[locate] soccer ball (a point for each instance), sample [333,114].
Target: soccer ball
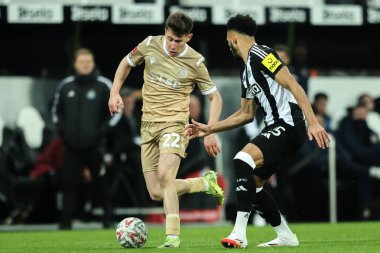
[131,233]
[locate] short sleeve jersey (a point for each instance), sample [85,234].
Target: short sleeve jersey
[168,81]
[258,83]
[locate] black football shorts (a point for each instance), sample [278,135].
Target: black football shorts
[277,142]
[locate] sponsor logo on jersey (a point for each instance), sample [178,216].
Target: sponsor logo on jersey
[164,81]
[271,62]
[254,89]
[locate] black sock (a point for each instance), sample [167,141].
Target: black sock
[267,208]
[245,186]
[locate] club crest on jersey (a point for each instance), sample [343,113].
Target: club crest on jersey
[152,59]
[182,72]
[254,89]
[271,62]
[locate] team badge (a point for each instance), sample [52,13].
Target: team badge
[182,72]
[71,94]
[91,94]
[271,62]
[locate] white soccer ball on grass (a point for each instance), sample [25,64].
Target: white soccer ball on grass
[131,232]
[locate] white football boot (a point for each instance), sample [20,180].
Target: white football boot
[234,240]
[291,240]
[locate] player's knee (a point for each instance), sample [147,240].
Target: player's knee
[155,195]
[163,179]
[244,163]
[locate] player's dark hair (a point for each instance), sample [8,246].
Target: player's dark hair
[243,24]
[180,23]
[320,95]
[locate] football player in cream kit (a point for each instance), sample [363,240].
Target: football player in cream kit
[172,69]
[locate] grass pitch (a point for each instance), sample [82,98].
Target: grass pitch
[340,238]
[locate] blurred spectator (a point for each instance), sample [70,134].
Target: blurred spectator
[50,160]
[355,135]
[124,154]
[373,117]
[320,108]
[299,70]
[299,65]
[282,51]
[80,110]
[358,152]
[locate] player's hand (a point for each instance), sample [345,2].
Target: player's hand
[317,132]
[115,103]
[196,130]
[211,145]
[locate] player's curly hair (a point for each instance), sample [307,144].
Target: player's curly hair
[242,24]
[180,23]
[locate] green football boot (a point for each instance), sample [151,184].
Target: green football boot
[214,189]
[170,242]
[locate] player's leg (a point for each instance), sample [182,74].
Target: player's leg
[267,208]
[150,153]
[172,141]
[207,184]
[282,145]
[245,162]
[167,171]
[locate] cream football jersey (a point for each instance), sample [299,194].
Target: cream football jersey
[168,81]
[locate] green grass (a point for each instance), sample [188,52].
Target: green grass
[344,237]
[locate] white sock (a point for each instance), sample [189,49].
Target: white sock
[241,223]
[283,230]
[172,236]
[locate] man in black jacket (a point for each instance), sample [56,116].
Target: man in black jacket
[81,114]
[358,159]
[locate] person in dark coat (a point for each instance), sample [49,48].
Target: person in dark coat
[80,111]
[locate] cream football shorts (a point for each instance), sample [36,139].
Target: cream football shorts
[161,138]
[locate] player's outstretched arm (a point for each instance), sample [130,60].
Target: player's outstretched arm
[315,130]
[210,142]
[239,118]
[115,103]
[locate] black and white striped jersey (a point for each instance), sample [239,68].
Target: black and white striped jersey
[258,83]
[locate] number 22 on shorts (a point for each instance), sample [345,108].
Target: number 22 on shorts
[171,140]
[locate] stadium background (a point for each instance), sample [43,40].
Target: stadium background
[38,38]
